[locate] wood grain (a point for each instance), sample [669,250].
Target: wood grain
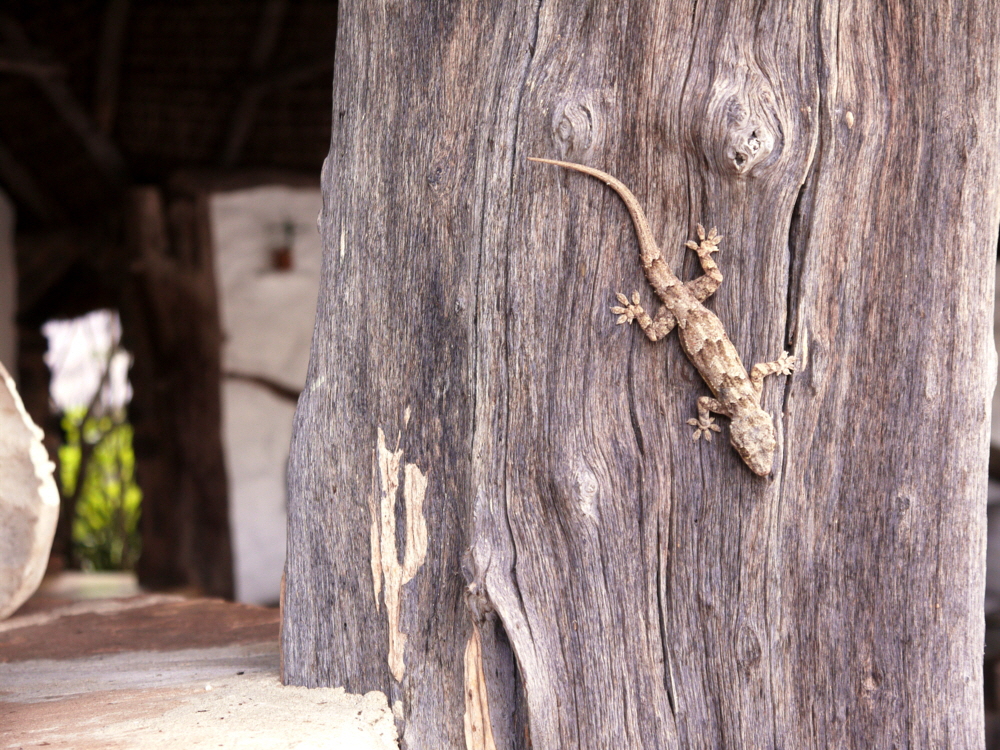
[633,588]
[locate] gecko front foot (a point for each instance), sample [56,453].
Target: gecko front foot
[705,427]
[709,242]
[629,310]
[786,363]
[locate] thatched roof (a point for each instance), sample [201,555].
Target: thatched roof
[99,94]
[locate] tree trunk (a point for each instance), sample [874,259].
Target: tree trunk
[497,514]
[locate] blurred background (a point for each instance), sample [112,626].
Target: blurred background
[159,263]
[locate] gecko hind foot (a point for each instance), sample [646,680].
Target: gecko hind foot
[629,309]
[704,427]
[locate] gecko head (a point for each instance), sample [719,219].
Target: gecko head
[752,435]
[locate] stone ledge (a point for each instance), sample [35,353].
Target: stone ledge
[161,671]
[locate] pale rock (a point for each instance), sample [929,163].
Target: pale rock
[29,501]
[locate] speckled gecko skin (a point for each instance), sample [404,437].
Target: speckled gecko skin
[702,336]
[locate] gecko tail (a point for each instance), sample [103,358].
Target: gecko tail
[647,245]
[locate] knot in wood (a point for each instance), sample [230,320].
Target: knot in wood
[478,603]
[586,490]
[434,175]
[748,146]
[742,122]
[748,649]
[871,683]
[577,124]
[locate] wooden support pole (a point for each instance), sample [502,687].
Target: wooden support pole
[497,513]
[170,323]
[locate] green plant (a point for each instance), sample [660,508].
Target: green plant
[105,529]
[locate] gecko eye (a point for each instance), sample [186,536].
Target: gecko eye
[753,438]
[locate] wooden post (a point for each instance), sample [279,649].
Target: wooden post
[171,324]
[497,514]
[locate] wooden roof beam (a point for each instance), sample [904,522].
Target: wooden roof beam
[267,33]
[109,59]
[22,185]
[11,61]
[246,109]
[99,146]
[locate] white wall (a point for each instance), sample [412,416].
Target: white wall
[993,495]
[8,287]
[995,426]
[267,319]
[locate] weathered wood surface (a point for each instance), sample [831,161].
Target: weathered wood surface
[630,587]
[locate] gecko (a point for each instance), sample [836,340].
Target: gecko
[735,392]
